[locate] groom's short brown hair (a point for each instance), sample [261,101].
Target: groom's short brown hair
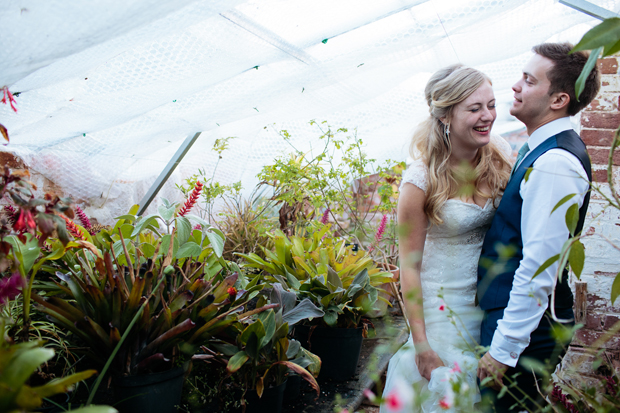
[566,69]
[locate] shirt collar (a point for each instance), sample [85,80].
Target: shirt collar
[548,130]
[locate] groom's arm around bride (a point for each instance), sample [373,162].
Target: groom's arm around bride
[517,324]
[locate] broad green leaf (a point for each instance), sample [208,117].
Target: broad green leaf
[269,321]
[615,288]
[217,242]
[62,385]
[256,328]
[189,249]
[237,361]
[580,84]
[562,202]
[292,281]
[605,33]
[184,230]
[21,367]
[142,223]
[546,265]
[576,258]
[166,212]
[330,318]
[126,230]
[611,49]
[572,217]
[305,309]
[198,220]
[147,250]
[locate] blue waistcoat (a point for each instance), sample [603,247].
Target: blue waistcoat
[502,249]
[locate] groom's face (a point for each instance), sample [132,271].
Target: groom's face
[531,98]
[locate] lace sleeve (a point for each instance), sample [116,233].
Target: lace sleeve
[416,174]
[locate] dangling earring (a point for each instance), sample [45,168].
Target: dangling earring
[447,130]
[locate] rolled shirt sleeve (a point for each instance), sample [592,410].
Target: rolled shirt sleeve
[556,173]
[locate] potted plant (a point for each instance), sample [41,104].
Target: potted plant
[336,279]
[144,301]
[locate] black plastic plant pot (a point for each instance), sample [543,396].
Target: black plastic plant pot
[270,402]
[338,348]
[153,393]
[293,388]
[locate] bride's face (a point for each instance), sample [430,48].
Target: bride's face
[472,119]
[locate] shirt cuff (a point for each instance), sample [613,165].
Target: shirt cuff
[506,350]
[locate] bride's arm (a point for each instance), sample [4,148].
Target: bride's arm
[412,224]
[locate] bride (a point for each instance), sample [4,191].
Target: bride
[448,197]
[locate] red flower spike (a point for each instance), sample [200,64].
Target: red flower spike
[74,230]
[12,213]
[232,292]
[25,222]
[7,95]
[191,201]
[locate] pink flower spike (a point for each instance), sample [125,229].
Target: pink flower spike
[369,394]
[381,229]
[456,368]
[325,217]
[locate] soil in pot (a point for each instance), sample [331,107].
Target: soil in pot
[338,348]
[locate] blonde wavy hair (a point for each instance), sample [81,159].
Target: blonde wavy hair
[446,88]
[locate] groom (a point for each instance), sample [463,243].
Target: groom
[524,233]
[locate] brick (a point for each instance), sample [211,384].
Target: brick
[608,66]
[601,156]
[604,102]
[610,320]
[596,339]
[600,120]
[599,176]
[597,137]
[610,83]
[594,321]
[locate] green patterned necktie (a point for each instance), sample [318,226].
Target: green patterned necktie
[524,149]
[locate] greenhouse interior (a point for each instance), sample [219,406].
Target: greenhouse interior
[196,192]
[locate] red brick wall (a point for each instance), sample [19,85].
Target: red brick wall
[598,124]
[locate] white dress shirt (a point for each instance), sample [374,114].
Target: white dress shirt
[556,174]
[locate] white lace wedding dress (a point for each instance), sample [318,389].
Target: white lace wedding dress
[449,268]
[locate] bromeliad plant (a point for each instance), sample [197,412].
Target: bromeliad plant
[340,281]
[138,295]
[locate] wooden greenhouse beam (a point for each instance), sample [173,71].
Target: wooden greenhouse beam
[165,174]
[589,9]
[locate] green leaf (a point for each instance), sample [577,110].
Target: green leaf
[502,392]
[576,258]
[198,220]
[546,265]
[166,212]
[603,34]
[62,385]
[184,229]
[147,249]
[142,223]
[527,174]
[615,288]
[25,362]
[237,361]
[217,242]
[562,202]
[572,217]
[580,84]
[189,249]
[269,320]
[330,318]
[611,49]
